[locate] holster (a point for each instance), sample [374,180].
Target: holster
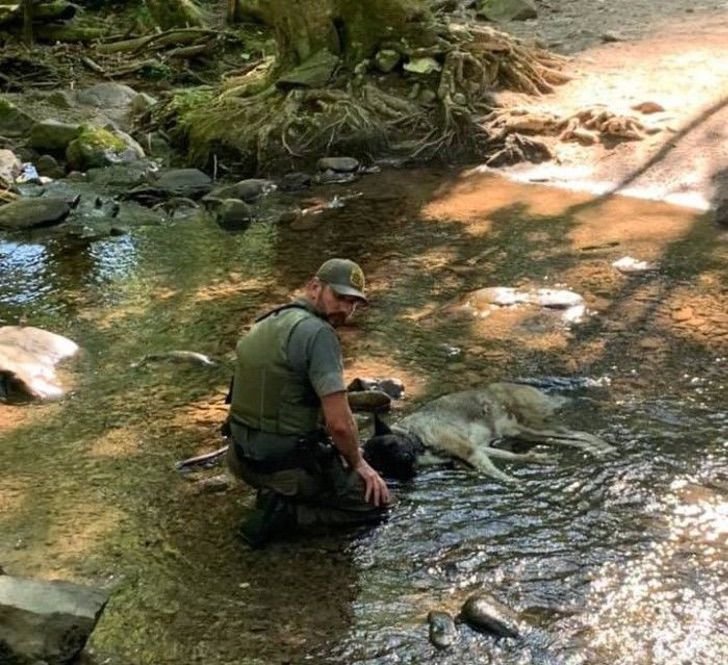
[313,453]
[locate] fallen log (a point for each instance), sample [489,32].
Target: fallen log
[56,10]
[68,33]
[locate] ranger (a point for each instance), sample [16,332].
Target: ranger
[293,435]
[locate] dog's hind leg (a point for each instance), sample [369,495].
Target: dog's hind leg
[583,440]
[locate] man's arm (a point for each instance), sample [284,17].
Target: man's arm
[342,429]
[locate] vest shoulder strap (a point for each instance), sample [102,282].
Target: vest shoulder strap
[296,304]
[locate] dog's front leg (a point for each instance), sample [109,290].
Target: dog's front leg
[480,460]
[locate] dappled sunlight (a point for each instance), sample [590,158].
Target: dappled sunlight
[13,492]
[643,227]
[231,286]
[695,317]
[477,195]
[76,533]
[65,548]
[16,416]
[116,443]
[645,611]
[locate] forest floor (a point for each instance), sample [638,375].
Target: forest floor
[673,53]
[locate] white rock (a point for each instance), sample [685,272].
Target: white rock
[628,264]
[556,298]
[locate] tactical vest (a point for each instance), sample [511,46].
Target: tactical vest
[267,394]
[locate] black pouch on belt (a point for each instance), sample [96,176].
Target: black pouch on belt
[315,452]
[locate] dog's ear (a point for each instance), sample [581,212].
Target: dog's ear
[380,427]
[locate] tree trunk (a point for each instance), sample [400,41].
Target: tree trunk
[168,14]
[350,29]
[28,22]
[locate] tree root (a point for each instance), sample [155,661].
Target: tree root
[253,119]
[587,126]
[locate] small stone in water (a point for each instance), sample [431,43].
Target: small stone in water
[442,629]
[628,264]
[484,613]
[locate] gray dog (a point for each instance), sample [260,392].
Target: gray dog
[467,426]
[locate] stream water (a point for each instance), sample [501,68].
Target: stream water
[619,560]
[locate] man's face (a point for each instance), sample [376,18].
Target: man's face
[337,308]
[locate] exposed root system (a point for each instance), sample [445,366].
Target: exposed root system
[587,126]
[254,122]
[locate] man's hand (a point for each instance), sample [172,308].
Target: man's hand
[376,490]
[342,429]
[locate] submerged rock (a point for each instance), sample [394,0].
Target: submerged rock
[234,214]
[486,614]
[628,264]
[33,212]
[443,632]
[47,622]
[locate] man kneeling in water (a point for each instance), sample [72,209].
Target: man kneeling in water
[290,420]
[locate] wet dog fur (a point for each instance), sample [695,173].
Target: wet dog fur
[468,426]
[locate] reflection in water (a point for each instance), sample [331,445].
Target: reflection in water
[50,275]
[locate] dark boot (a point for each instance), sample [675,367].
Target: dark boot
[273,517]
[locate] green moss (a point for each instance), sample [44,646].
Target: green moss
[92,147]
[13,121]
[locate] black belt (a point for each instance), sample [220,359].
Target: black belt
[308,455]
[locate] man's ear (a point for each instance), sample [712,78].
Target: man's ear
[380,427]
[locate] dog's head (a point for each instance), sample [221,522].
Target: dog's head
[392,454]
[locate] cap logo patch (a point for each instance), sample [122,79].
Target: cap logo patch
[357,278]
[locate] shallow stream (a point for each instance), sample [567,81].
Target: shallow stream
[621,560]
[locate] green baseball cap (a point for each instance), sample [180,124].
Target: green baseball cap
[343,276]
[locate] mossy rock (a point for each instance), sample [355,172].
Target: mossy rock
[13,121]
[52,135]
[96,147]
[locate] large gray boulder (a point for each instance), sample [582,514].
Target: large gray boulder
[107,95]
[46,622]
[28,357]
[32,212]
